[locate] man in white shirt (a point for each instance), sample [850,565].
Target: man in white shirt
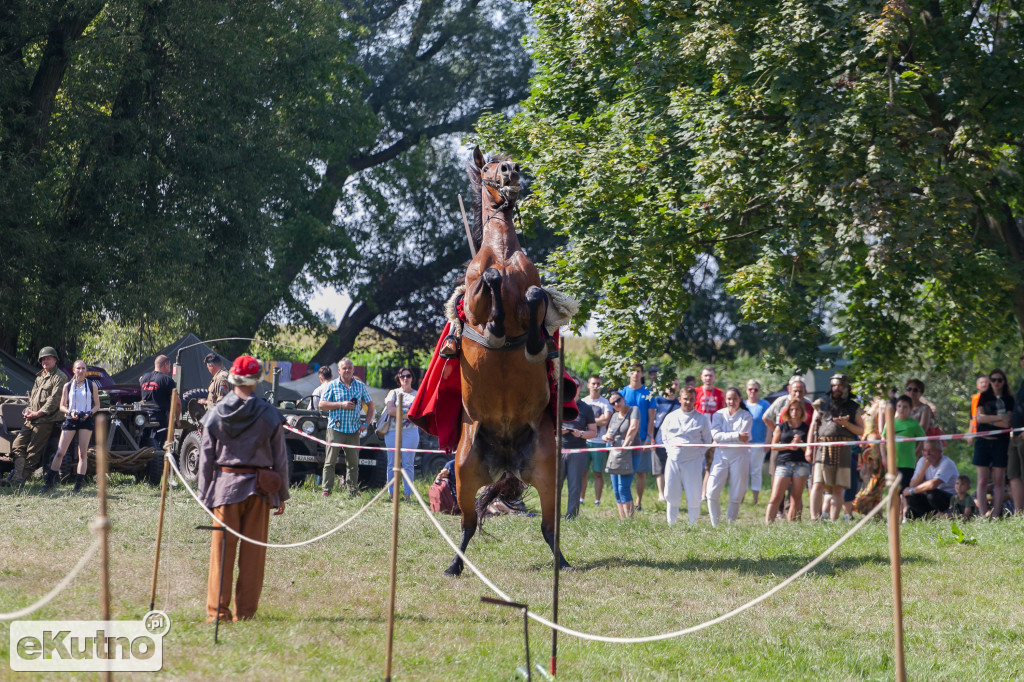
[598,448]
[934,482]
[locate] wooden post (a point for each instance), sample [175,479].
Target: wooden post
[168,446]
[396,481]
[104,523]
[465,223]
[558,503]
[894,547]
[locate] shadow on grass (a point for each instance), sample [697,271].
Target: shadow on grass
[778,566]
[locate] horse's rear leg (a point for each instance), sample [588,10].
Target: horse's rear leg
[537,303]
[495,329]
[542,477]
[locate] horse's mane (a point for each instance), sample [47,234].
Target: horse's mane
[476,218]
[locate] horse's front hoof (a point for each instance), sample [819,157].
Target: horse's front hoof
[455,570]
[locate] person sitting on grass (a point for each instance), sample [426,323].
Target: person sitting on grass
[933,484]
[962,505]
[905,426]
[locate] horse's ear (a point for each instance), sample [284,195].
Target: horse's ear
[478,157]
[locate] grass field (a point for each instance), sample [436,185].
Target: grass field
[323,611]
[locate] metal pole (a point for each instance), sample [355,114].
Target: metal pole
[168,448]
[104,522]
[894,546]
[396,480]
[558,502]
[465,223]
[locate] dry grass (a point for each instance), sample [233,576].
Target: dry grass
[323,611]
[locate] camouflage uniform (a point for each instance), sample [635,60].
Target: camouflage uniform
[219,388]
[30,443]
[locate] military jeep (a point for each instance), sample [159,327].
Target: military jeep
[305,456]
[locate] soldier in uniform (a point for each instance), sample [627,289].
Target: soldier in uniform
[219,386]
[42,413]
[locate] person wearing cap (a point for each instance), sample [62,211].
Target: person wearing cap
[242,435]
[219,385]
[343,398]
[42,413]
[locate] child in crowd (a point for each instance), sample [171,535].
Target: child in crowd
[962,505]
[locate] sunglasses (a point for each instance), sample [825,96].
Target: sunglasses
[753,388]
[615,402]
[997,380]
[405,376]
[912,389]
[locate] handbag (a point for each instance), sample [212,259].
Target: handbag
[383,424]
[620,462]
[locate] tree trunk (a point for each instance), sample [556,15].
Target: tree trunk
[1010,232]
[340,344]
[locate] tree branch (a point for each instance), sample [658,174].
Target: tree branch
[448,34]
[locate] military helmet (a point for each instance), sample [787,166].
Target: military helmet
[47,351]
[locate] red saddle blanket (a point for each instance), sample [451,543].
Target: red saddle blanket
[437,408]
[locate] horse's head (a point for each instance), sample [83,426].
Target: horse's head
[499,177]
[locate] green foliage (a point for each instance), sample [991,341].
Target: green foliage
[956,537]
[855,169]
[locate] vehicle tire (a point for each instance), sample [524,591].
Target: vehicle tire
[155,468]
[432,463]
[193,393]
[188,457]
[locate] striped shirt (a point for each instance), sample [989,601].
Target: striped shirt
[345,421]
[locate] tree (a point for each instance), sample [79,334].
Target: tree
[854,167]
[158,160]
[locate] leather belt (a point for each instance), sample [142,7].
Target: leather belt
[240,470]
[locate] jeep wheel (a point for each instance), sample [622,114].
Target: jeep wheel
[188,457]
[193,393]
[155,468]
[373,474]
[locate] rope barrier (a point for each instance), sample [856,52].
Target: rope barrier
[731,446]
[273,545]
[678,633]
[62,585]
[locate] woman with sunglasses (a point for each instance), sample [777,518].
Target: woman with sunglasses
[623,428]
[410,432]
[920,411]
[990,452]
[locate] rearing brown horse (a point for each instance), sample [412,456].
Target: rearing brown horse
[506,423]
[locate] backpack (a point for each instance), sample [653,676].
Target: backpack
[442,495]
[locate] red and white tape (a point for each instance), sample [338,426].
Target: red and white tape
[730,446]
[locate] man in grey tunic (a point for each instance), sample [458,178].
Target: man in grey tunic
[242,434]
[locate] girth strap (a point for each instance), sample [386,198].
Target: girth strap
[511,342]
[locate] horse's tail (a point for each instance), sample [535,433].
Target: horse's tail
[508,488]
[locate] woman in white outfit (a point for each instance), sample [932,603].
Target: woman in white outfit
[410,432]
[732,465]
[681,432]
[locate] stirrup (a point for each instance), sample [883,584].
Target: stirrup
[449,351]
[552,348]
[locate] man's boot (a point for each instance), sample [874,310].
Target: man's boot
[79,482]
[450,347]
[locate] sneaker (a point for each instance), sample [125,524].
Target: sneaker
[597,502]
[326,493]
[847,517]
[639,508]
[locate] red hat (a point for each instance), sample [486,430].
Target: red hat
[245,371]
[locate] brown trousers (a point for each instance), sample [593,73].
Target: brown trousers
[251,518]
[27,449]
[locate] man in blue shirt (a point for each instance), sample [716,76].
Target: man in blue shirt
[343,399]
[637,395]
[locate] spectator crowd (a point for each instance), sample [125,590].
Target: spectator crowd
[674,435]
